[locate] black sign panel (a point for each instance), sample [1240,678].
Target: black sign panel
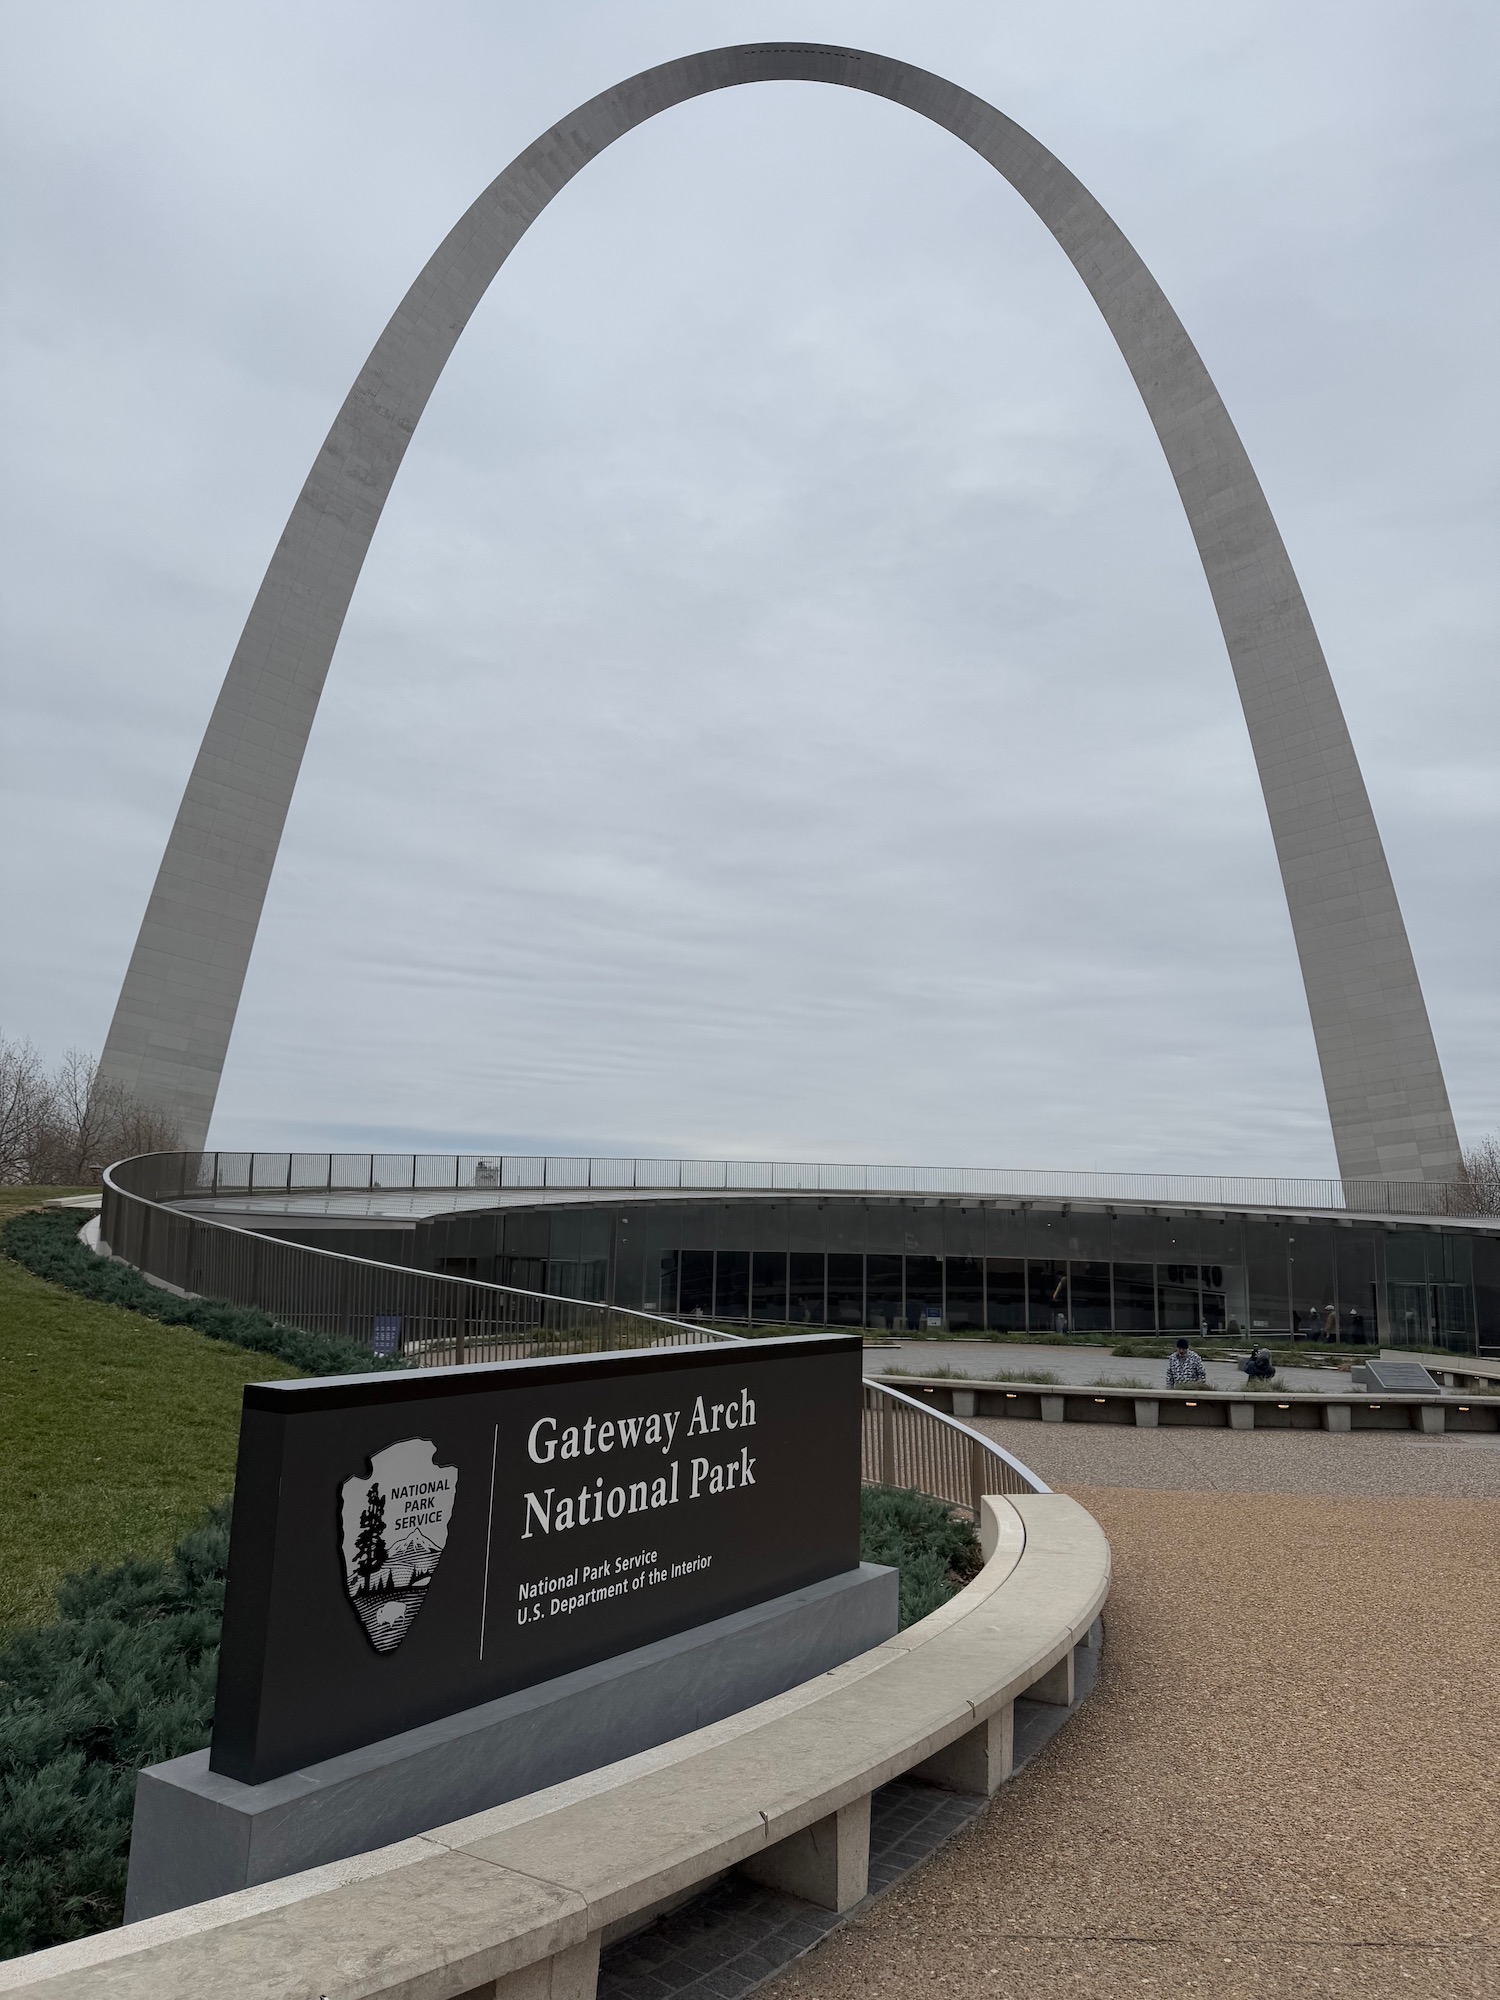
[406,1546]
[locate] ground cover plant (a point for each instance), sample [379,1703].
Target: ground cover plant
[123,1677]
[935,1552]
[943,1373]
[46,1241]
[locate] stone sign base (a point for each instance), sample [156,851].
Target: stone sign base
[197,1834]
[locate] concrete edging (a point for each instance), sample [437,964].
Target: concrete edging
[1477,1372]
[523,1894]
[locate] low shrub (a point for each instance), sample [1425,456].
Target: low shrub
[1296,1357]
[1042,1376]
[940,1373]
[46,1242]
[125,1677]
[935,1552]
[1120,1382]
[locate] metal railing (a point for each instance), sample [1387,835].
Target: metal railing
[227,1173]
[905,1443]
[431,1320]
[428,1319]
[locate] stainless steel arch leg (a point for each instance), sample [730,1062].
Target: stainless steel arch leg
[1386,1096]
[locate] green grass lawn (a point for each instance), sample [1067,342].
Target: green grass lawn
[115,1432]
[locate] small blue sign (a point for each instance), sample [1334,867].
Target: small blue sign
[386,1334]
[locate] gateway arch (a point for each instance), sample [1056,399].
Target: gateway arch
[1387,1099]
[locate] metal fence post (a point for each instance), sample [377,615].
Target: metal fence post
[887,1441]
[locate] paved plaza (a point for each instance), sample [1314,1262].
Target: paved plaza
[1283,1782]
[994,1360]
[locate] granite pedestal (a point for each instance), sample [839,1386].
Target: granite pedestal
[197,1834]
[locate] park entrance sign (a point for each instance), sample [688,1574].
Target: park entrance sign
[407,1546]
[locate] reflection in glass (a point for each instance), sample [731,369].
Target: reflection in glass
[1046,1295]
[1088,1289]
[1394,1282]
[1451,1317]
[846,1288]
[1177,1298]
[768,1290]
[666,1290]
[1005,1294]
[924,1293]
[1358,1291]
[805,1290]
[1265,1256]
[732,1284]
[885,1304]
[1314,1296]
[527,1274]
[696,1284]
[965,1294]
[1135,1298]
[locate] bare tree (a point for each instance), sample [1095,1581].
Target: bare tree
[70,1139]
[59,1129]
[23,1091]
[1479,1177]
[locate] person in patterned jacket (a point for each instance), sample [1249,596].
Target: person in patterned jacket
[1185,1369]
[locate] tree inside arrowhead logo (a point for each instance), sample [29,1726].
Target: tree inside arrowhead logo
[395,1527]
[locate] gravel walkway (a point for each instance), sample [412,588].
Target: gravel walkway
[1284,1783]
[1178,1459]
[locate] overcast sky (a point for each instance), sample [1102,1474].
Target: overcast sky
[782,713]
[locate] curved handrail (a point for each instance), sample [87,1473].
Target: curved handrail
[468,1319]
[456,1319]
[462,1174]
[909,1444]
[996,1450]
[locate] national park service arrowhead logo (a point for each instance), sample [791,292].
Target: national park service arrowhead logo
[395,1526]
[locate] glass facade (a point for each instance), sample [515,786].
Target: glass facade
[964,1265]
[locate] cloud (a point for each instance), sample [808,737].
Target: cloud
[782,713]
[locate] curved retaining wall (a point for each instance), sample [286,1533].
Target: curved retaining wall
[517,1901]
[1202,1409]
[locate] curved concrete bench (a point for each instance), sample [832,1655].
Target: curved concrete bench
[1203,1409]
[515,1902]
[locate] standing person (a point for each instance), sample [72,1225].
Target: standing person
[1185,1369]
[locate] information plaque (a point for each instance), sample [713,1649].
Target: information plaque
[405,1546]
